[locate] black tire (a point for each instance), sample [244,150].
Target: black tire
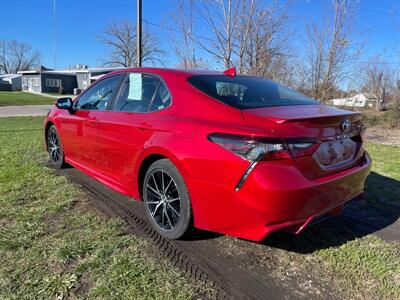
[178,218]
[54,148]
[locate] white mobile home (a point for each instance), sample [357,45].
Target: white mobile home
[359,100]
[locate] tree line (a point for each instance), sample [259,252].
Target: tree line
[257,37]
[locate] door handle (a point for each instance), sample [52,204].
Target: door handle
[93,121]
[144,126]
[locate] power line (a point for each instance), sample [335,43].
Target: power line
[139,33]
[168,28]
[55,33]
[381,12]
[366,9]
[392,12]
[177,30]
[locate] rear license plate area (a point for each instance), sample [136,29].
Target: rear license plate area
[335,153]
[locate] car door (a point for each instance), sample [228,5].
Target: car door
[129,127]
[79,129]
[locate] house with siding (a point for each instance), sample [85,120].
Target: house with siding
[359,100]
[44,80]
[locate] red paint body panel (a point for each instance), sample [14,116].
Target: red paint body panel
[111,147]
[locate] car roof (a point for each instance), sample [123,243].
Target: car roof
[166,71]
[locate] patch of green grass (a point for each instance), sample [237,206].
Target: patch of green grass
[53,244]
[369,263]
[23,98]
[385,159]
[383,185]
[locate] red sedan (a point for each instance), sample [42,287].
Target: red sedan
[239,155]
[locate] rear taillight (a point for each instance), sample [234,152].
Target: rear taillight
[255,149]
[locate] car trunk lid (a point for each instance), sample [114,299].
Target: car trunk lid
[337,133]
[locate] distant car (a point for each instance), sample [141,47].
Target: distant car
[239,155]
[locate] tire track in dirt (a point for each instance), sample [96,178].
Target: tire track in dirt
[233,275]
[198,258]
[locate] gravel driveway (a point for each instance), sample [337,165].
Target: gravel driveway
[383,136]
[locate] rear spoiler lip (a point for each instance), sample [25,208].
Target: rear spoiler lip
[297,119]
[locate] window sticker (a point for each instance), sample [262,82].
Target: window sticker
[135,87]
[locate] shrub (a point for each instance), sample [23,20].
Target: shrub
[392,116]
[388,119]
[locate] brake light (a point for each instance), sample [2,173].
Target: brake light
[230,72]
[255,149]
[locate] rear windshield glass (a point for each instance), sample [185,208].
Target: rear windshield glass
[245,92]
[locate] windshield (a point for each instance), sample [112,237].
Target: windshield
[246,92]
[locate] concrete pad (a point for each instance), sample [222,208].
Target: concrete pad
[24,110]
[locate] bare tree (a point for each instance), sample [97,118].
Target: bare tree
[120,37]
[333,47]
[182,42]
[17,56]
[247,34]
[378,81]
[219,16]
[267,51]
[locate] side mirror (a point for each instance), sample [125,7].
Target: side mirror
[64,103]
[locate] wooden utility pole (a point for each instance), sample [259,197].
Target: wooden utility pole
[139,33]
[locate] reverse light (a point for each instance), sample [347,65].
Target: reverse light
[255,149]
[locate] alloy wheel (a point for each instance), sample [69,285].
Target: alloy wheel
[163,200]
[53,146]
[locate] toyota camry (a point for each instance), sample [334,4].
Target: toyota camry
[238,155]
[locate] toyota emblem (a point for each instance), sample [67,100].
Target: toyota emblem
[346,124]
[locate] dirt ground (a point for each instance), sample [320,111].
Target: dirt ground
[283,267]
[383,136]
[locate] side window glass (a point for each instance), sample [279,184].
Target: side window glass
[162,98]
[137,93]
[98,97]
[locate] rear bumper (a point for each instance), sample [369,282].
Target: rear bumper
[275,196]
[297,226]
